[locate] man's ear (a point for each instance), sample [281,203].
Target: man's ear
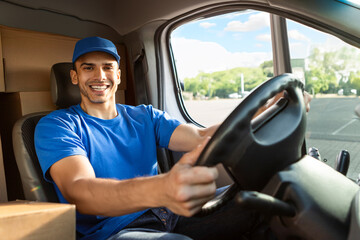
[118,80]
[74,77]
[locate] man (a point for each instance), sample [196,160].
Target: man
[101,156]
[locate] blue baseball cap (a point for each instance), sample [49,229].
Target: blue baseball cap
[94,44]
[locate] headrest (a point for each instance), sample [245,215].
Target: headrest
[64,93]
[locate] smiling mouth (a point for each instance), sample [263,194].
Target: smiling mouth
[99,87]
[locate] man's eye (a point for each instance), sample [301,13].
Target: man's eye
[88,68]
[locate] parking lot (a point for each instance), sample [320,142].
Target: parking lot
[332,125]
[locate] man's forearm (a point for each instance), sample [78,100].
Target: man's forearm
[187,137]
[184,189]
[109,197]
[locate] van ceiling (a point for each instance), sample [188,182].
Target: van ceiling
[122,15]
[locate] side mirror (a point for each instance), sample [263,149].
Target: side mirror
[357,110]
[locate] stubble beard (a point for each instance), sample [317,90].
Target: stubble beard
[87,95]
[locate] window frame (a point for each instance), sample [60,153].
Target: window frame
[170,89]
[275,23]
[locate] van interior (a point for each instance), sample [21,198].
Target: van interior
[36,36]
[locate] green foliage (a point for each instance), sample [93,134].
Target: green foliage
[268,68]
[326,72]
[354,80]
[330,71]
[222,83]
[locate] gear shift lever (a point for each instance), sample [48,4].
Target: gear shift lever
[342,162]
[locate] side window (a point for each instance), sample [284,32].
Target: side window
[219,60]
[331,70]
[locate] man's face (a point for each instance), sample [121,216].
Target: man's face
[98,75]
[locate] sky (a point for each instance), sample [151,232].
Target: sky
[238,39]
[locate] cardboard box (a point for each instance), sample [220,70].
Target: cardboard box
[37,220]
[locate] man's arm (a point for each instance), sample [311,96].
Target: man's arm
[183,190]
[186,136]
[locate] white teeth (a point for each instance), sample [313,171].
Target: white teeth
[99,88]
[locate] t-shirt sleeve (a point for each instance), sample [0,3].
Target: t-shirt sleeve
[55,139]
[164,126]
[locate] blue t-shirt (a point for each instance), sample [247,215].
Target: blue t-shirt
[119,148]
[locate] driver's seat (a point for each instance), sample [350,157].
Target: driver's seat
[64,94]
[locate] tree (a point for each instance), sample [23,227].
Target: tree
[354,80]
[322,71]
[223,83]
[268,68]
[327,72]
[333,70]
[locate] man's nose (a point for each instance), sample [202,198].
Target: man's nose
[100,74]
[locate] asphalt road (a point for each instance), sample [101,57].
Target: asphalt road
[332,125]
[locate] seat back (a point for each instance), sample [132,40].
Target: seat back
[64,94]
[34,185]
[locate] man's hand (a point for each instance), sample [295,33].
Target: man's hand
[273,100]
[188,188]
[307,100]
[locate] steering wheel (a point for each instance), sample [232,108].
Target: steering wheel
[253,150]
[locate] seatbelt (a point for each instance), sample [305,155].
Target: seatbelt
[141,89]
[164,159]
